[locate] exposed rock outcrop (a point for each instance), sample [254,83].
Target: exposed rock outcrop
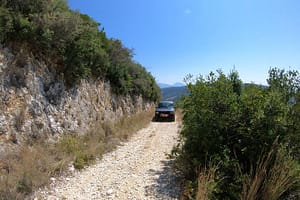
[34,100]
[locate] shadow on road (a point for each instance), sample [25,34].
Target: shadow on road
[166,182]
[161,120]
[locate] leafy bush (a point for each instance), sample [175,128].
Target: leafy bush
[6,24]
[75,44]
[83,159]
[128,76]
[233,126]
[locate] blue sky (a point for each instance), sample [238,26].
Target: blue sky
[173,38]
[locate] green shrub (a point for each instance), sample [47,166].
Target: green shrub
[232,125]
[6,24]
[83,159]
[75,44]
[69,144]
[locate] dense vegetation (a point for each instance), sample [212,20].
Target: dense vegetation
[241,142]
[74,43]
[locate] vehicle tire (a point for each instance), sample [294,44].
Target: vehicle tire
[173,119]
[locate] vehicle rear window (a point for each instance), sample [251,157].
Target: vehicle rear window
[165,105]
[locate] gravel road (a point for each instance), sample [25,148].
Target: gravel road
[138,169]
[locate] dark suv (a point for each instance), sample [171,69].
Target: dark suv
[165,110]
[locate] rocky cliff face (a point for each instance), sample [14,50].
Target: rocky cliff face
[34,100]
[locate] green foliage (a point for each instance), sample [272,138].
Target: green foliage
[78,147]
[6,24]
[233,126]
[128,76]
[83,159]
[69,145]
[24,185]
[75,44]
[287,83]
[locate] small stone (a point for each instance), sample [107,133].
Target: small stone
[72,168]
[52,179]
[109,192]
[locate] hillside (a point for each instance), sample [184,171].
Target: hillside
[72,44]
[68,93]
[60,73]
[173,93]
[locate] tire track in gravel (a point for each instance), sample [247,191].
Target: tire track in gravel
[138,169]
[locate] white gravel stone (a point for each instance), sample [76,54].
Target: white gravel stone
[52,179]
[109,192]
[139,169]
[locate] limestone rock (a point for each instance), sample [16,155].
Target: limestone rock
[3,125]
[48,106]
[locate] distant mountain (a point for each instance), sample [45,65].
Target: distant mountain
[164,85]
[173,93]
[178,85]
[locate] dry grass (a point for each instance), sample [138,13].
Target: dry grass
[20,118]
[34,164]
[276,174]
[179,115]
[30,168]
[206,183]
[283,177]
[203,187]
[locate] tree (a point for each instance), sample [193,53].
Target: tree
[233,127]
[74,43]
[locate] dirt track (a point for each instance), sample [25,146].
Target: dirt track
[138,169]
